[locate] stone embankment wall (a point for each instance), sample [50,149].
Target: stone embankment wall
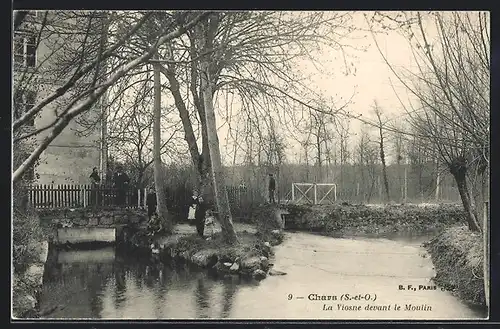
[82,226]
[107,217]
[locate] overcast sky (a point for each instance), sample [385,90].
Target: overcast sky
[370,81]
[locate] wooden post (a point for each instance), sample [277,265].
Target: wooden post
[138,198]
[315,194]
[293,192]
[335,192]
[486,253]
[145,197]
[84,195]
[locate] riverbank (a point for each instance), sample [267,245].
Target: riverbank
[30,249]
[250,258]
[457,255]
[456,252]
[344,220]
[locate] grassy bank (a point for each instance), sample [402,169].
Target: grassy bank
[250,258]
[347,220]
[26,283]
[457,254]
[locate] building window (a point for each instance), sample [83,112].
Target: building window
[23,102]
[25,49]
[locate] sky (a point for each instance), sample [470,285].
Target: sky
[371,80]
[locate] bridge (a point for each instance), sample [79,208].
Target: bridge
[88,225]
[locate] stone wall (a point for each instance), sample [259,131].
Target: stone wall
[87,217]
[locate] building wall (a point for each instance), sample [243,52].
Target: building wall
[69,159]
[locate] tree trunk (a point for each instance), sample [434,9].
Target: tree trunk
[463,189]
[219,186]
[384,167]
[160,188]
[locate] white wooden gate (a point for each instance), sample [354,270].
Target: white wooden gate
[300,190]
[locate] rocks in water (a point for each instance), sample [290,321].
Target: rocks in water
[250,263]
[258,274]
[264,263]
[205,258]
[235,268]
[34,273]
[274,273]
[220,268]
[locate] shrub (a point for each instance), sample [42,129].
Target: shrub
[26,232]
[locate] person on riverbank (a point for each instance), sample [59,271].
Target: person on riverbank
[121,181]
[192,209]
[201,209]
[95,181]
[272,188]
[151,202]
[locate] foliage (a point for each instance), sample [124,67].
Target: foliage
[26,233]
[457,255]
[337,220]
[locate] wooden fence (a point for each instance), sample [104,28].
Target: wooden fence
[77,196]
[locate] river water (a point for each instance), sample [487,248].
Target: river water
[107,284]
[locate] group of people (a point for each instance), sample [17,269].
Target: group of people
[121,182]
[197,207]
[196,213]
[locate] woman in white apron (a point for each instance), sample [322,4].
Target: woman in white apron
[192,209]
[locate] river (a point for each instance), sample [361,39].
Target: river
[109,285]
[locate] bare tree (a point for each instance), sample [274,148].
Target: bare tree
[398,147]
[378,113]
[130,127]
[163,216]
[209,28]
[368,159]
[452,87]
[83,100]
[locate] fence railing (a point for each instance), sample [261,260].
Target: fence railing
[77,196]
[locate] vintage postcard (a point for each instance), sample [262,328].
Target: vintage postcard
[250,165]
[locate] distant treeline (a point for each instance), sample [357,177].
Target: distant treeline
[355,183]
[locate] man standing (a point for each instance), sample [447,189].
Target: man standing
[121,184]
[95,181]
[201,209]
[151,202]
[272,188]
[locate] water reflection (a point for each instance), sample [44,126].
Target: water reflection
[202,297]
[91,284]
[110,284]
